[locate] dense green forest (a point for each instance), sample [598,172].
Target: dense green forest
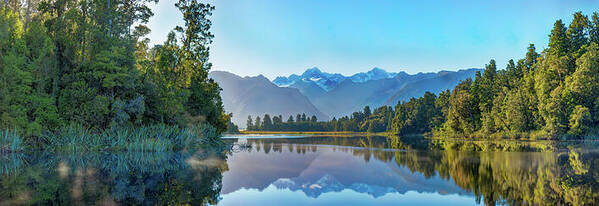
[551,94]
[88,63]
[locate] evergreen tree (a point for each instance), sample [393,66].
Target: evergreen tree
[594,28]
[249,124]
[577,31]
[266,122]
[558,41]
[367,111]
[531,58]
[258,123]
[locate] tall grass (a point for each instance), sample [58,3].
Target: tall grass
[11,141]
[11,164]
[155,138]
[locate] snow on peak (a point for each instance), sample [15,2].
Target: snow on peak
[329,81]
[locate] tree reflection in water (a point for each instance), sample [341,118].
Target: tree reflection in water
[108,179]
[496,172]
[514,173]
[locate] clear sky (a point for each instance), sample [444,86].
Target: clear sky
[281,37]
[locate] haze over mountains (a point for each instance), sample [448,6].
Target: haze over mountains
[327,95]
[257,96]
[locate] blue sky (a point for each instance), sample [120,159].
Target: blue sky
[281,37]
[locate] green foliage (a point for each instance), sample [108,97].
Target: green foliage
[558,41]
[232,128]
[463,111]
[378,121]
[577,31]
[544,95]
[87,63]
[594,28]
[417,116]
[580,121]
[154,178]
[155,138]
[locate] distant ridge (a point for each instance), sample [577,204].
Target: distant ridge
[340,95]
[257,96]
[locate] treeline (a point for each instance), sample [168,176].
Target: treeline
[362,121]
[551,94]
[87,62]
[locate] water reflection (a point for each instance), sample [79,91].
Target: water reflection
[313,171]
[490,173]
[110,179]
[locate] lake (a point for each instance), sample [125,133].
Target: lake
[313,170]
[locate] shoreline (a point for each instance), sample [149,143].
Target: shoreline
[427,136]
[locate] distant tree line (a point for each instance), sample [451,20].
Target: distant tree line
[362,121]
[552,94]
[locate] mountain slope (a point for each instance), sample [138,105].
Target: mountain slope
[350,96]
[257,96]
[308,89]
[442,81]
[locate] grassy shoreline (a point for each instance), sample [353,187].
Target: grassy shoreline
[152,138]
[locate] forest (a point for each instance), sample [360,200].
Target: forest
[551,94]
[86,66]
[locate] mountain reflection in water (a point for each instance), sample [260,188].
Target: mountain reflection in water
[314,171]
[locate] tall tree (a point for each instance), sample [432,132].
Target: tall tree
[577,31]
[558,40]
[249,124]
[267,122]
[531,58]
[594,28]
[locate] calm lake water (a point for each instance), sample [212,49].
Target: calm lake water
[304,170]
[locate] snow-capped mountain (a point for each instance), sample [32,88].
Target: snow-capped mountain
[324,91]
[328,81]
[374,74]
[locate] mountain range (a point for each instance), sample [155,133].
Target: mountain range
[337,95]
[257,96]
[327,95]
[328,81]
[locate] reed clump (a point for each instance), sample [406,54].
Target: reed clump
[153,138]
[11,141]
